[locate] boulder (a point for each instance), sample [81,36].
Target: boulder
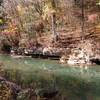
[82,54]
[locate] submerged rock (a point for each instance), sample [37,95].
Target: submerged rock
[46,93]
[17,56]
[63,59]
[26,94]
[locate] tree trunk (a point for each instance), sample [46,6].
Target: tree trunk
[83,22]
[53,18]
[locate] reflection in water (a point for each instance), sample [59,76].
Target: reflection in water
[26,62]
[73,83]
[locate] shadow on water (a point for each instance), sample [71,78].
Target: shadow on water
[73,83]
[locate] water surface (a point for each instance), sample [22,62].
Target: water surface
[74,83]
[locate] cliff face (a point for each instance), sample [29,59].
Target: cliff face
[69,40]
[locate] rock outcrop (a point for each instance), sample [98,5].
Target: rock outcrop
[83,54]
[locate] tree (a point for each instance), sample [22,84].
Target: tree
[49,10]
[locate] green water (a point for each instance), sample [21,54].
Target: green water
[73,83]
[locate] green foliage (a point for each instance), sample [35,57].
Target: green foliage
[1,21]
[98,3]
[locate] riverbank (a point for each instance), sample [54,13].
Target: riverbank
[44,47]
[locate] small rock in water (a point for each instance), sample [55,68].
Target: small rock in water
[63,60]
